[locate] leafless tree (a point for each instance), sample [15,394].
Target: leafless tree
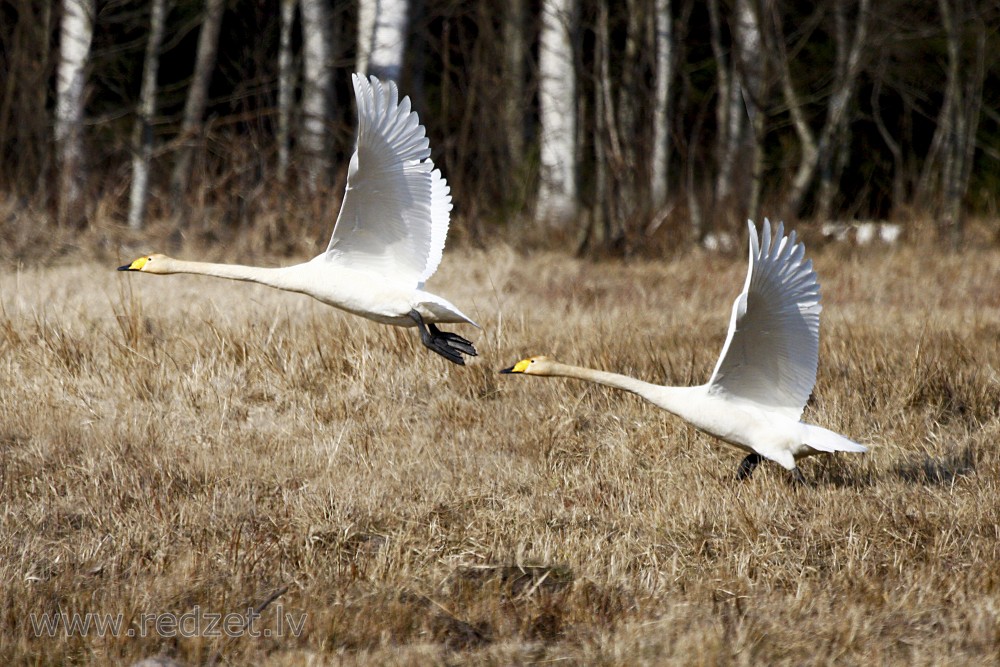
[76,34]
[730,113]
[316,48]
[557,194]
[286,87]
[664,44]
[750,62]
[382,37]
[816,149]
[604,223]
[23,91]
[142,137]
[949,161]
[197,98]
[514,110]
[893,143]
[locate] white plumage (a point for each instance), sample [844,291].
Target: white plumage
[765,373]
[772,350]
[389,236]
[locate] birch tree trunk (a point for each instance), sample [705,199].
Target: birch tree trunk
[142,138]
[286,88]
[557,195]
[750,61]
[382,37]
[76,34]
[659,171]
[197,99]
[316,47]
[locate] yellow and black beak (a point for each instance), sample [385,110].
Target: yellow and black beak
[134,266]
[519,367]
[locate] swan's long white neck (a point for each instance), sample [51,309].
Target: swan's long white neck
[274,277]
[676,400]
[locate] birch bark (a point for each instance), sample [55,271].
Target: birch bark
[557,195]
[76,33]
[659,172]
[316,47]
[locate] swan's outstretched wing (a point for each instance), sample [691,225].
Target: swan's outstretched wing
[394,218]
[772,350]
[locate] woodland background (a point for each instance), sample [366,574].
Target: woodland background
[620,125]
[171,444]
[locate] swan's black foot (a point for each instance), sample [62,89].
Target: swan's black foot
[797,478]
[747,466]
[449,345]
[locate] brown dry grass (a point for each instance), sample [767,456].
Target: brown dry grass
[173,442]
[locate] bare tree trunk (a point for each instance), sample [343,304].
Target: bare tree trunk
[286,88]
[197,100]
[966,144]
[630,193]
[514,69]
[76,33]
[749,61]
[831,161]
[23,92]
[814,150]
[600,213]
[728,110]
[557,196]
[660,186]
[758,123]
[898,165]
[382,37]
[610,192]
[959,118]
[316,47]
[807,142]
[142,138]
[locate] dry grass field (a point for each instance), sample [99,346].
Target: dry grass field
[182,445]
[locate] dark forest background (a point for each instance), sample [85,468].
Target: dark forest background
[890,159]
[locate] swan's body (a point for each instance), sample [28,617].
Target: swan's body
[766,371]
[389,236]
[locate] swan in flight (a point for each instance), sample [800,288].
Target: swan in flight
[389,236]
[766,371]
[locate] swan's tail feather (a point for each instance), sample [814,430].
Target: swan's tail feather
[825,440]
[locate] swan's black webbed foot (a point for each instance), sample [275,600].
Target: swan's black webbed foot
[747,466]
[797,478]
[454,340]
[449,345]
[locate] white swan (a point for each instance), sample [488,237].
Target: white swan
[766,371]
[388,238]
